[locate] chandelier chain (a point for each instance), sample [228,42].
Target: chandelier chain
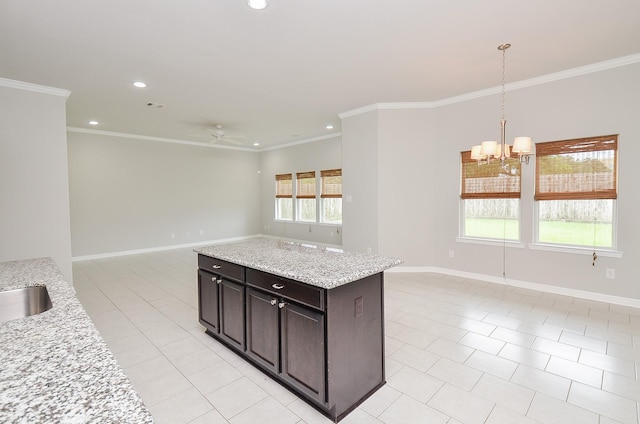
[504,67]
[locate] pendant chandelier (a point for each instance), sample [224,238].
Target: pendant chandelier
[487,151]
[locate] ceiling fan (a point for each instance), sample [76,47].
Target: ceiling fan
[218,135]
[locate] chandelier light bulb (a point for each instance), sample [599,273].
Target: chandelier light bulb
[257,4]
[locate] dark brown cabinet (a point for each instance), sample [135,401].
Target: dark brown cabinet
[208,307]
[287,339]
[302,347]
[325,345]
[263,329]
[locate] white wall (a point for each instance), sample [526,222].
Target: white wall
[360,182]
[132,194]
[34,198]
[312,156]
[598,103]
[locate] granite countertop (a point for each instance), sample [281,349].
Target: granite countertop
[314,265]
[54,366]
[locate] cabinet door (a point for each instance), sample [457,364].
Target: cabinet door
[208,301]
[232,313]
[303,353]
[263,329]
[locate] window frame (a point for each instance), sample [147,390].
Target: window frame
[567,147]
[329,192]
[283,193]
[477,190]
[306,192]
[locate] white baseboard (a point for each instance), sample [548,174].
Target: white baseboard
[160,248]
[582,294]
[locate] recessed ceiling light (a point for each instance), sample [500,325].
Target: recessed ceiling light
[93,122]
[256,144]
[329,127]
[257,4]
[139,84]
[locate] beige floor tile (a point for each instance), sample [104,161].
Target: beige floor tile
[525,356]
[542,381]
[408,410]
[603,403]
[492,364]
[483,343]
[575,371]
[490,343]
[549,410]
[236,397]
[504,393]
[455,373]
[416,384]
[462,405]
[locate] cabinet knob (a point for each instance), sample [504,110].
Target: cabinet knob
[213,279]
[277,286]
[216,266]
[281,304]
[273,301]
[219,280]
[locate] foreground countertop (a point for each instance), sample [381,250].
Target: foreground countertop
[314,265]
[55,367]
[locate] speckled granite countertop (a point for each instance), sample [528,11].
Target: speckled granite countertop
[55,367]
[318,266]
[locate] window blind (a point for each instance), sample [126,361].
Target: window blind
[306,185]
[583,168]
[491,180]
[284,186]
[331,183]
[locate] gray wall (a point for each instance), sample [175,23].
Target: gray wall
[313,156]
[132,194]
[34,216]
[423,230]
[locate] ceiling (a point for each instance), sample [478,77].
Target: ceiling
[281,75]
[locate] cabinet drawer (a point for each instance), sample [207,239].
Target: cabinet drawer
[290,289]
[221,267]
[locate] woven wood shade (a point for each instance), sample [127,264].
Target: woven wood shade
[306,185]
[583,168]
[284,186]
[489,181]
[331,183]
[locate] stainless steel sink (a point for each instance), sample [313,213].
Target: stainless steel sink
[24,302]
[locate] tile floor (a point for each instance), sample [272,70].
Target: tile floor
[458,351]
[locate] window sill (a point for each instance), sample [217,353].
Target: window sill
[491,242]
[576,250]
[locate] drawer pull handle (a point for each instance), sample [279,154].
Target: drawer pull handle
[277,286]
[273,302]
[216,266]
[281,304]
[219,280]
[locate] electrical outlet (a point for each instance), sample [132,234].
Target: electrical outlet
[369,250]
[611,273]
[358,307]
[451,253]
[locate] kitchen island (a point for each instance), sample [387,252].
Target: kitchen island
[55,366]
[310,317]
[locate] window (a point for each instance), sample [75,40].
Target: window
[331,196]
[284,197]
[306,196]
[576,191]
[490,199]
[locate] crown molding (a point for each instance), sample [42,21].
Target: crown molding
[153,138]
[195,143]
[557,76]
[305,141]
[27,86]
